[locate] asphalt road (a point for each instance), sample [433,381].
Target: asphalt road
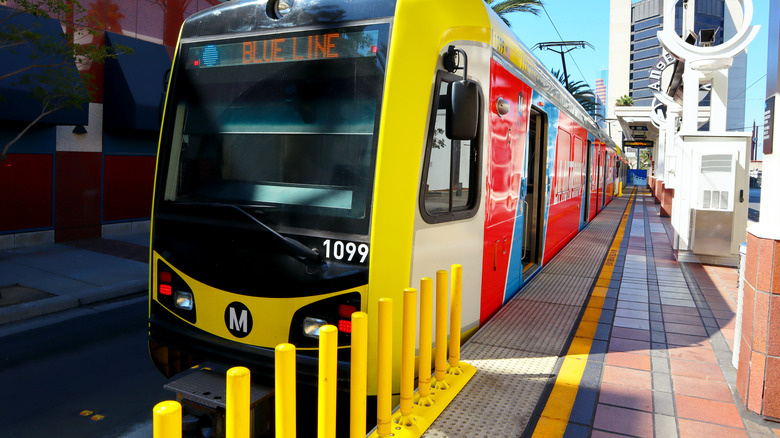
[87,376]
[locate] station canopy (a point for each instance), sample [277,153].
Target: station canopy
[18,89]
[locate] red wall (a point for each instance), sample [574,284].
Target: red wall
[157,20]
[128,185]
[26,191]
[78,195]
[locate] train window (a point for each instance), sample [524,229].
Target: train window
[450,179]
[562,167]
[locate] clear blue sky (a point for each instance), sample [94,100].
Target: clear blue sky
[589,21]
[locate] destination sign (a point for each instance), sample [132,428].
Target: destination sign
[638,143]
[330,45]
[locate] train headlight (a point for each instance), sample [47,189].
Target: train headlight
[184,300]
[311,327]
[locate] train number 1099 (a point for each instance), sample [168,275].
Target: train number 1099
[349,251]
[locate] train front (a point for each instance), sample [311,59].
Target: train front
[263,196]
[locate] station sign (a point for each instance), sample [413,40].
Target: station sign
[638,143]
[307,47]
[661,64]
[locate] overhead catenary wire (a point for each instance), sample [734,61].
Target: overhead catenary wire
[745,128]
[747,88]
[561,37]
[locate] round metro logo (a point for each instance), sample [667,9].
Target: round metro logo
[238,319]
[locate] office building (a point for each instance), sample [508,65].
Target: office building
[635,49]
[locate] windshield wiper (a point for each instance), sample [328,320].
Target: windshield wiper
[300,252]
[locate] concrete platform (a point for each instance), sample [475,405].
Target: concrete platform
[614,337]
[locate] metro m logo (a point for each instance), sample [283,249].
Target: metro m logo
[236,323]
[238,319]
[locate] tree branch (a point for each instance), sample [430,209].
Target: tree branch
[31,66]
[43,114]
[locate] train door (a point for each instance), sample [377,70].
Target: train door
[588,188]
[505,155]
[610,182]
[594,180]
[603,181]
[597,181]
[533,223]
[578,175]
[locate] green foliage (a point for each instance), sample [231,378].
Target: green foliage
[505,7]
[580,90]
[49,73]
[625,100]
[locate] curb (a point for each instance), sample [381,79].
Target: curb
[47,306]
[105,293]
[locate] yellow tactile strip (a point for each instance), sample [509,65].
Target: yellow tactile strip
[555,416]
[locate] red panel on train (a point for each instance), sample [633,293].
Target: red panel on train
[508,134]
[563,220]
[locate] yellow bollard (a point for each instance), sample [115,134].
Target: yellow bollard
[457,294]
[407,355]
[358,375]
[440,365]
[237,403]
[426,342]
[167,420]
[284,396]
[384,373]
[326,388]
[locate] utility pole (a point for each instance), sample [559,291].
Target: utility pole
[564,47]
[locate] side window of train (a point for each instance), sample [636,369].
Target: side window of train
[450,177]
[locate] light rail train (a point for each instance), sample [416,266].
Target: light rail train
[318,155]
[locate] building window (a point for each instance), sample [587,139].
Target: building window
[640,74]
[653,52]
[645,63]
[647,33]
[642,83]
[658,21]
[652,42]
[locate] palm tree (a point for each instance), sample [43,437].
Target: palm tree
[505,7]
[625,100]
[580,91]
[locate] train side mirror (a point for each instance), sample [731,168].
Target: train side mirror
[462,110]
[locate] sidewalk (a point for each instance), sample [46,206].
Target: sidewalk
[47,279]
[661,362]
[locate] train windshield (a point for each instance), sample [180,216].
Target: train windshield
[284,124]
